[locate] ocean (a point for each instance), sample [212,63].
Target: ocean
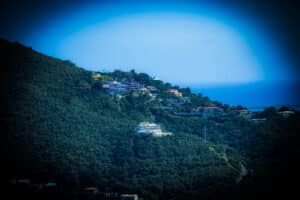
[254,96]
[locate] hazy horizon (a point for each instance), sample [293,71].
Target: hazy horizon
[195,44]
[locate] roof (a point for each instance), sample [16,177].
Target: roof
[134,196]
[147,124]
[128,195]
[259,119]
[287,112]
[91,189]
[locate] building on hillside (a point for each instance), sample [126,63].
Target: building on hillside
[91,189]
[151,88]
[175,101]
[186,99]
[244,113]
[178,100]
[286,113]
[116,90]
[96,75]
[207,111]
[146,128]
[175,92]
[129,197]
[196,109]
[144,90]
[106,86]
[125,85]
[153,95]
[133,85]
[258,120]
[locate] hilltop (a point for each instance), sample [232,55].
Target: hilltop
[77,128]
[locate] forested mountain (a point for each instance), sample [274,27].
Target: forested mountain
[60,123]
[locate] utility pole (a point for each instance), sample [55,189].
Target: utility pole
[225,150]
[204,133]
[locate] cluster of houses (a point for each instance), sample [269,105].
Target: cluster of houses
[152,129]
[116,87]
[32,184]
[285,114]
[87,193]
[122,87]
[94,193]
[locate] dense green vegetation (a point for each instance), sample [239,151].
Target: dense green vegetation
[57,123]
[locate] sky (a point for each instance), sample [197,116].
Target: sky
[188,43]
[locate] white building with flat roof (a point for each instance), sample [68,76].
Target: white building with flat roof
[129,197]
[147,128]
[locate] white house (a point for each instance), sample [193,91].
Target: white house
[147,128]
[129,197]
[286,113]
[259,120]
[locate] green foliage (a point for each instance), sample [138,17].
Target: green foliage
[58,123]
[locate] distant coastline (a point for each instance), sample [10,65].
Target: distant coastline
[255,96]
[259,109]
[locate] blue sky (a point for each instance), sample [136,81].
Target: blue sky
[180,43]
[233,52]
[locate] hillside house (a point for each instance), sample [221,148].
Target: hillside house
[106,86]
[129,197]
[185,99]
[151,88]
[144,90]
[207,111]
[153,95]
[286,113]
[175,101]
[91,189]
[96,75]
[116,87]
[211,111]
[147,128]
[133,85]
[178,101]
[110,84]
[116,90]
[258,120]
[175,92]
[244,113]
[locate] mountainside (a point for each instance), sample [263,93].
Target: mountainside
[77,128]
